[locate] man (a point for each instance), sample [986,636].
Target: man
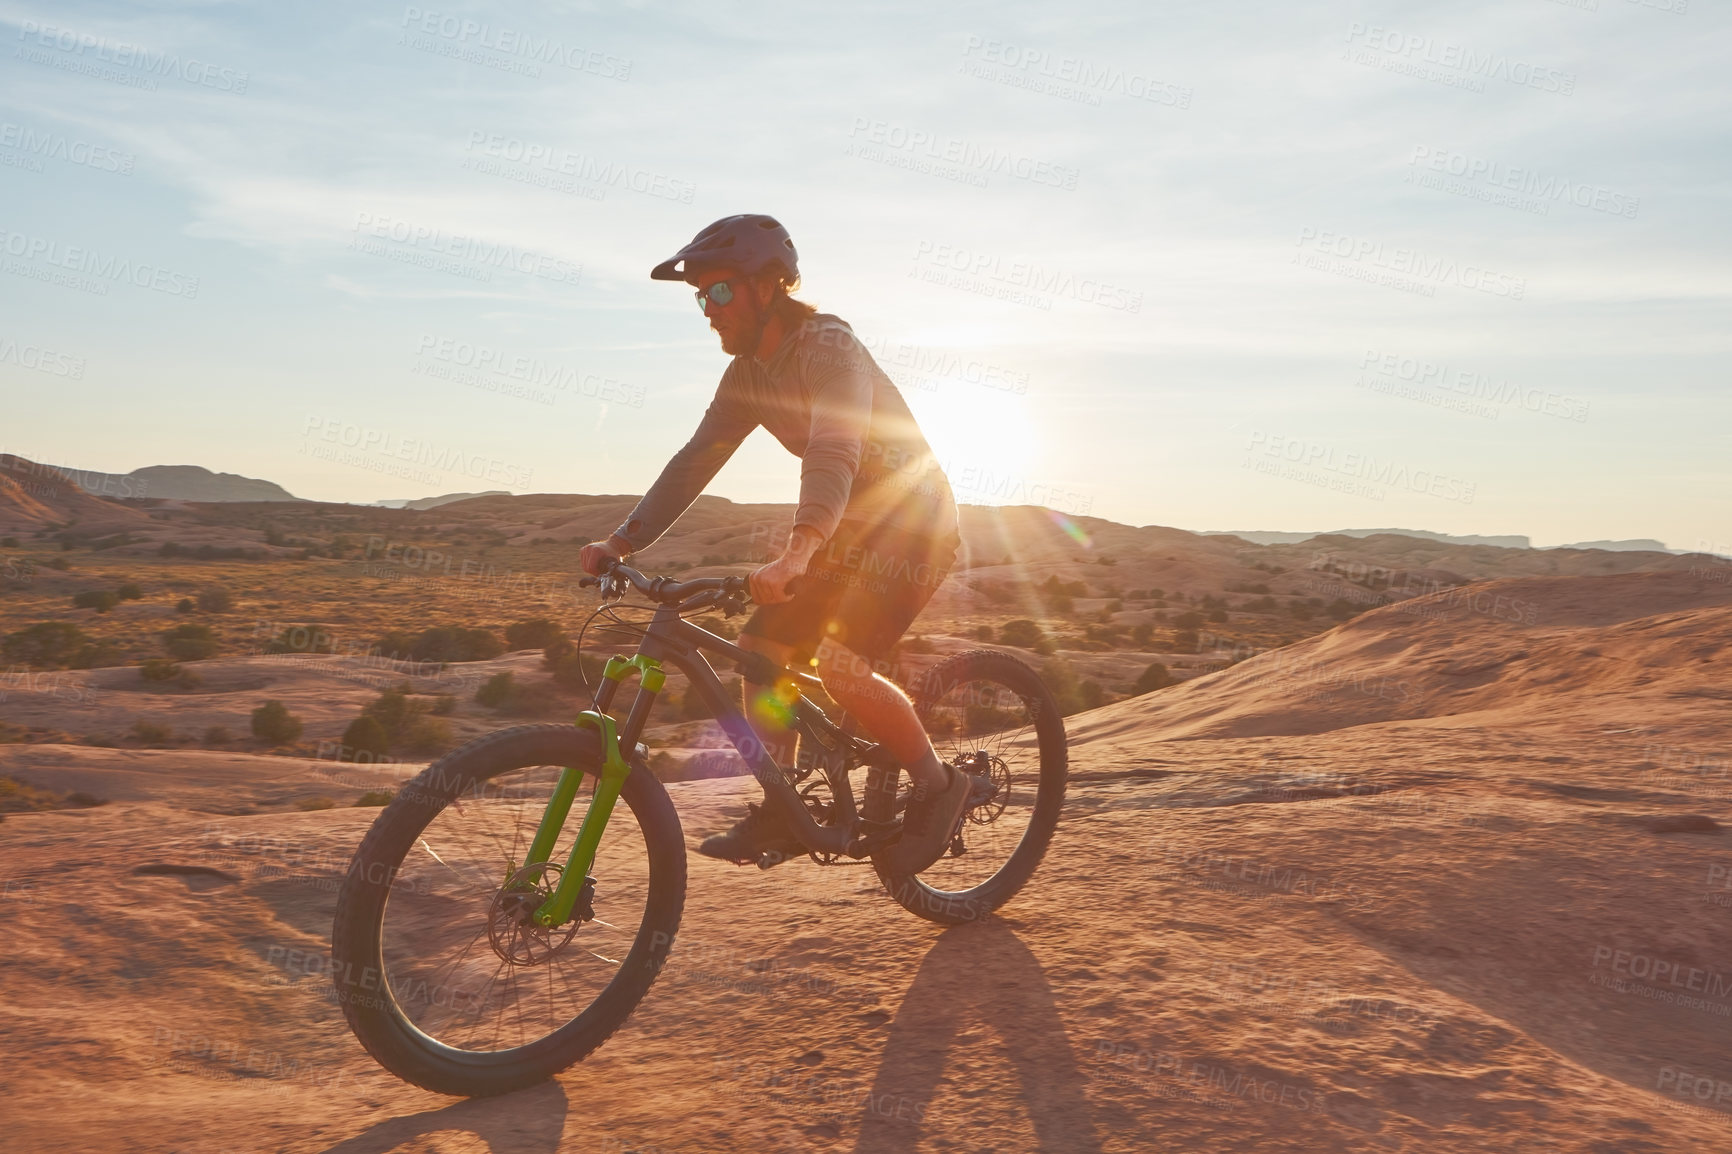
[874,532]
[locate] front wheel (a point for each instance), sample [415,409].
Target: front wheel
[991,716]
[443,975]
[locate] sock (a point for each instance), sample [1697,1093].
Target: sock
[927,771]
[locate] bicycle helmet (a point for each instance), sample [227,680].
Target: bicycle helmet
[749,241]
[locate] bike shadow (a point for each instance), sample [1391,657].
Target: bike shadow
[977,975]
[526,1122]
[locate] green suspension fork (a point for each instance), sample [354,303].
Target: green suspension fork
[556,910]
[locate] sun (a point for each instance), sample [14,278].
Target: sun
[974,424]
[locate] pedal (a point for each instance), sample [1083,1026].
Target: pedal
[771,858]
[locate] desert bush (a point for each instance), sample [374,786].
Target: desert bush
[151,733]
[184,605]
[273,722]
[441,643]
[535,633]
[444,705]
[308,804]
[572,670]
[496,691]
[1154,677]
[8,542]
[984,633]
[1185,641]
[190,642]
[1143,634]
[54,645]
[365,735]
[428,735]
[218,735]
[1218,616]
[216,600]
[101,600]
[375,797]
[130,592]
[1090,694]
[1062,680]
[1025,634]
[1341,609]
[60,563]
[159,669]
[1189,619]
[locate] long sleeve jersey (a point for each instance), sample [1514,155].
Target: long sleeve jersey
[863,457]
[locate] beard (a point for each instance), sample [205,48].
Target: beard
[738,342]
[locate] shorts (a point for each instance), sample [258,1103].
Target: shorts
[864,588]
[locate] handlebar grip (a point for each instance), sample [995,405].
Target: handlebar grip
[588,582]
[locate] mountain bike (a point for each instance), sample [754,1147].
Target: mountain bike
[485,941]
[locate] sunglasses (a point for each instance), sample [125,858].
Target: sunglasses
[721,293]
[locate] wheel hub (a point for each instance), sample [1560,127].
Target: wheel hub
[512,931]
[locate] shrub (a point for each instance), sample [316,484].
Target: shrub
[428,735]
[1091,694]
[915,645]
[1189,619]
[444,705]
[1341,609]
[190,642]
[216,600]
[159,669]
[184,605]
[1062,680]
[308,804]
[273,722]
[1154,677]
[1185,641]
[218,735]
[578,672]
[47,644]
[60,563]
[441,643]
[985,633]
[535,633]
[1143,634]
[56,645]
[496,691]
[375,797]
[151,733]
[1025,634]
[130,592]
[365,735]
[100,600]
[8,542]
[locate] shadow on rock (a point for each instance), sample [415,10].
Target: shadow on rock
[978,975]
[527,1122]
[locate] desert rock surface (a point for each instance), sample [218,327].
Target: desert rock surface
[1452,876]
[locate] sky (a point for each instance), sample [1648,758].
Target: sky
[1298,266]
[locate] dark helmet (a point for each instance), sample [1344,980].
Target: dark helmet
[750,242]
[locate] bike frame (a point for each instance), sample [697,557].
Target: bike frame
[671,638]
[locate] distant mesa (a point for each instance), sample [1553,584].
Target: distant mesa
[197,483]
[1514,541]
[435,502]
[1262,537]
[1639,545]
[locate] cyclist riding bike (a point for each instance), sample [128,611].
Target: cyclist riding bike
[874,533]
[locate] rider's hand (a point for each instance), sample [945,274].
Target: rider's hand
[596,555]
[769,583]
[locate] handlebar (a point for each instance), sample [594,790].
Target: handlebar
[617,577]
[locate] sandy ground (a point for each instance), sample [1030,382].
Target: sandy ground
[1447,883]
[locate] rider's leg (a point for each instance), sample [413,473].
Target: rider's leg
[882,707]
[780,742]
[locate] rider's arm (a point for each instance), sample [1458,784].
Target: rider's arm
[841,419]
[726,423]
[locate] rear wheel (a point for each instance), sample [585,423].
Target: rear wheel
[991,716]
[442,974]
